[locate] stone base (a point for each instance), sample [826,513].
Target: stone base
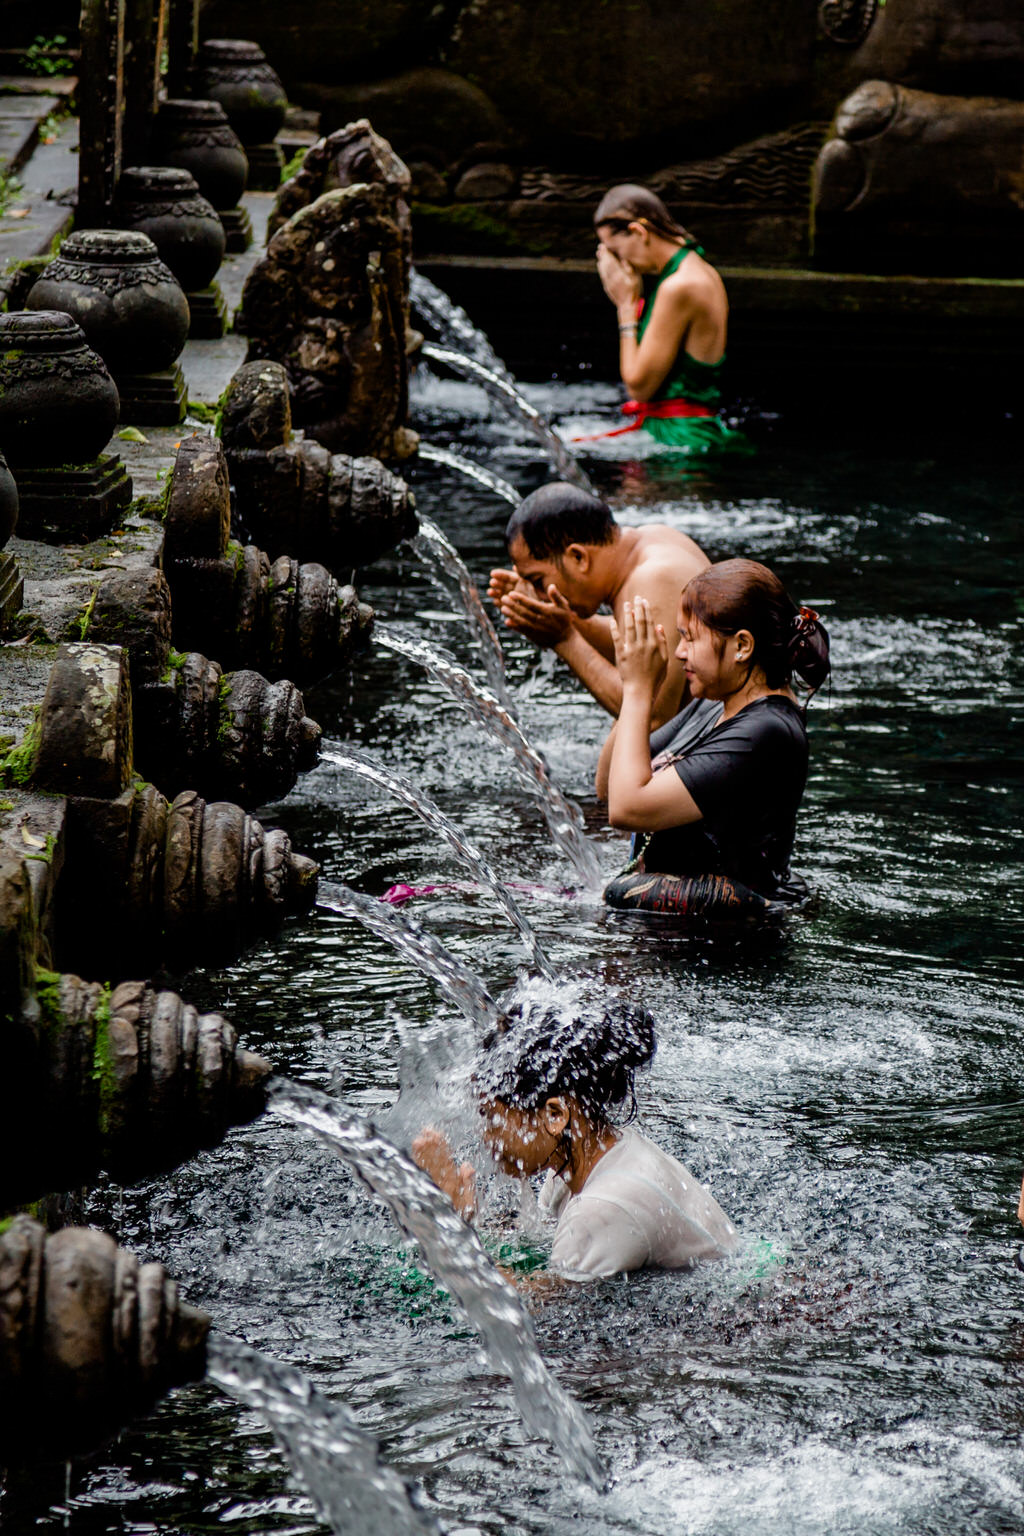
[74,504]
[237,228]
[266,162]
[209,314]
[154,399]
[12,591]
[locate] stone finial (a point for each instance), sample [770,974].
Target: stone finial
[88,1338]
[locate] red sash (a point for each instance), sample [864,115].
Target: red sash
[641,409]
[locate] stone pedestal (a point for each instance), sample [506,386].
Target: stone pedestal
[237,228]
[157,398]
[209,311]
[75,503]
[266,162]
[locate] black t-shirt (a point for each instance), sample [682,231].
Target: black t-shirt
[747,776]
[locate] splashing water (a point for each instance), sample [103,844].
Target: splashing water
[337,1462]
[370,768]
[430,453]
[564,819]
[453,324]
[456,981]
[456,1258]
[438,552]
[511,400]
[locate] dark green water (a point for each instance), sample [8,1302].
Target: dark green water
[854,1093]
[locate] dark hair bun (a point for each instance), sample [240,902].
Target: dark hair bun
[545,1047]
[809,648]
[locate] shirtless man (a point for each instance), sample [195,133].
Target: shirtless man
[571,558]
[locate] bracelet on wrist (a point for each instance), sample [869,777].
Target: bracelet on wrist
[628,326]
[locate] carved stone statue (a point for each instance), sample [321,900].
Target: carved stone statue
[328,302]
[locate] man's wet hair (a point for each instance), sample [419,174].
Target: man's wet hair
[558,515]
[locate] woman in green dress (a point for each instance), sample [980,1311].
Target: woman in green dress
[671,341]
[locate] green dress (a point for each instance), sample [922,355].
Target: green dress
[688,379]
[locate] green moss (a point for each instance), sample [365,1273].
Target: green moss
[5,1222]
[235,553]
[18,764]
[175,662]
[6,805]
[464,228]
[103,1070]
[45,854]
[199,410]
[85,617]
[226,722]
[294,165]
[48,997]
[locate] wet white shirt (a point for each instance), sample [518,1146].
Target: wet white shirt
[639,1207]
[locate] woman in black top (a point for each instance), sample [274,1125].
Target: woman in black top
[718,804]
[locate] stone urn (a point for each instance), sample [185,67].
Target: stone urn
[11,584]
[197,137]
[236,73]
[132,310]
[58,409]
[165,203]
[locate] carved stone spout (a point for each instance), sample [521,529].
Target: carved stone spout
[293,493]
[89,1337]
[232,601]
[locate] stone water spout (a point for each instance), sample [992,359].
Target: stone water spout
[231,735]
[514,403]
[89,1337]
[128,1080]
[145,880]
[293,494]
[231,601]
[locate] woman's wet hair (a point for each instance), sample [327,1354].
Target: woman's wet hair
[742,594]
[630,204]
[558,515]
[590,1053]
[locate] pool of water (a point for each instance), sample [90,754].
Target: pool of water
[851,1091]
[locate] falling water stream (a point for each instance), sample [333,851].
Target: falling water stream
[439,552]
[455,1257]
[429,453]
[337,1462]
[455,326]
[456,981]
[564,820]
[368,767]
[513,401]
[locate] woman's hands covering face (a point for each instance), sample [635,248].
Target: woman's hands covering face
[621,282]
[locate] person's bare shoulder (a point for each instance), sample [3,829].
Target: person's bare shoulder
[662,548]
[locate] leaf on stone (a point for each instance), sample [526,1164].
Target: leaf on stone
[31,839]
[132,435]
